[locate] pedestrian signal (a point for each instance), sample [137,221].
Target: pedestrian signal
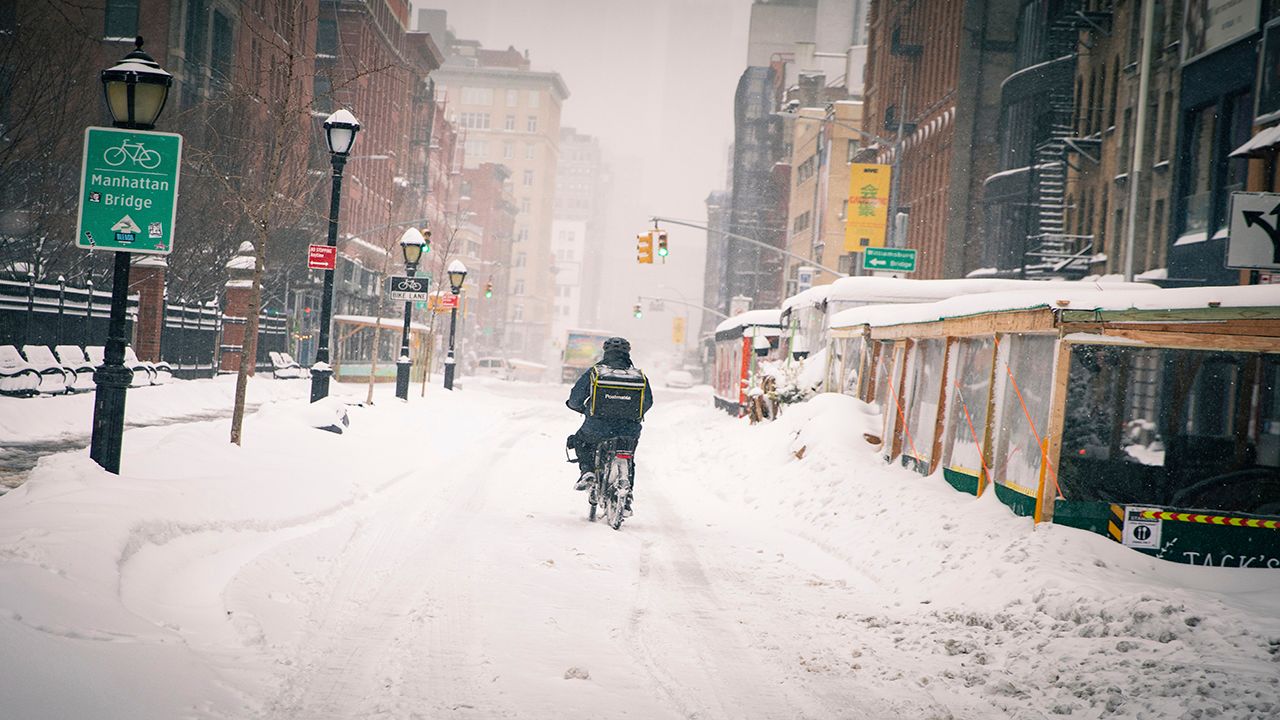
[644,248]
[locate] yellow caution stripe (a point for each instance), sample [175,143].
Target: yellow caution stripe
[1211,519]
[1113,525]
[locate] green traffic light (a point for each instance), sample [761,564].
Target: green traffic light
[488,293]
[662,252]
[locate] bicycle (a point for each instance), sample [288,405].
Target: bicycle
[149,159]
[614,472]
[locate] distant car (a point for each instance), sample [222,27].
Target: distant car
[494,367]
[679,379]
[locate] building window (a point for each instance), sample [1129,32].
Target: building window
[513,98]
[520,259]
[517,314]
[477,96]
[525,205]
[528,151]
[508,150]
[522,234]
[806,169]
[476,148]
[534,96]
[121,19]
[853,151]
[510,123]
[223,50]
[518,288]
[1197,194]
[326,37]
[528,178]
[531,124]
[474,120]
[801,222]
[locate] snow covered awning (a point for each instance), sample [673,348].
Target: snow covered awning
[813,297]
[1062,297]
[1259,145]
[771,320]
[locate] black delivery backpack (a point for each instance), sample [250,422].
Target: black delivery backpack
[616,393]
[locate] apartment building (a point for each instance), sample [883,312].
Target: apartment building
[510,114]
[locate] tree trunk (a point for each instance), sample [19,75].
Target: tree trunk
[249,348]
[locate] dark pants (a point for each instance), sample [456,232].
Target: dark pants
[589,437]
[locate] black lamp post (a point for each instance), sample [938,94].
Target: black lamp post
[457,274]
[340,131]
[411,244]
[136,89]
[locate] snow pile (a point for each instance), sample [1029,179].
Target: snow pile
[960,599]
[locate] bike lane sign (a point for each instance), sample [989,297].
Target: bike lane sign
[128,190]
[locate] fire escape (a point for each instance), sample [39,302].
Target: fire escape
[1052,251]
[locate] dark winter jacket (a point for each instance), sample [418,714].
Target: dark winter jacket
[606,427]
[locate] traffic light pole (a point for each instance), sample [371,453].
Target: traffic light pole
[704,308]
[757,243]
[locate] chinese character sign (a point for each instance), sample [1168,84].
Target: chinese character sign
[868,212]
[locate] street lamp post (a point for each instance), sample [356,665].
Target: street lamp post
[136,89]
[340,131]
[411,244]
[457,274]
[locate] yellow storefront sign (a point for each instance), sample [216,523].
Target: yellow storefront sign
[868,213]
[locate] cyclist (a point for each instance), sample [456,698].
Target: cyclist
[613,396]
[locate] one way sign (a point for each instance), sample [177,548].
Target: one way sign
[403,287]
[1254,243]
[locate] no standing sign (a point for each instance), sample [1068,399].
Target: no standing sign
[128,190]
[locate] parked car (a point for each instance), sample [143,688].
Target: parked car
[494,367]
[678,379]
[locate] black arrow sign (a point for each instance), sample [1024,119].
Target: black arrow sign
[1254,217]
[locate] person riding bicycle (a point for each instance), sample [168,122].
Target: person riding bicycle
[613,396]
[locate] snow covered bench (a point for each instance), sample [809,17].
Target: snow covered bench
[55,379]
[160,371]
[141,373]
[17,376]
[73,358]
[283,366]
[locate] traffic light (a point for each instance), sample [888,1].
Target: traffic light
[635,310]
[662,244]
[488,289]
[426,244]
[644,249]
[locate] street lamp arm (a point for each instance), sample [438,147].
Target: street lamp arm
[704,308]
[752,241]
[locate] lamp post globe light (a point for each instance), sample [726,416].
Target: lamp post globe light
[135,89]
[412,243]
[340,130]
[457,275]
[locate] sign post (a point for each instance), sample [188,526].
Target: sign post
[1254,242]
[889,259]
[128,190]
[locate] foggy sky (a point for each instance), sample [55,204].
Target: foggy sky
[654,80]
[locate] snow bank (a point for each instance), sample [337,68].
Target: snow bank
[1000,618]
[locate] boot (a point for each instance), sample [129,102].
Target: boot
[585,480]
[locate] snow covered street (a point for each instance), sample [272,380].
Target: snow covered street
[434,561]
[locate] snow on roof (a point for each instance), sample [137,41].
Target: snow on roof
[396,323]
[812,297]
[900,290]
[751,317]
[1062,296]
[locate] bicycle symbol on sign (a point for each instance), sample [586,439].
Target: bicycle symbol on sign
[149,159]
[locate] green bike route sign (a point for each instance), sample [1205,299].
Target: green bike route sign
[889,259]
[128,190]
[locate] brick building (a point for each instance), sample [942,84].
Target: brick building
[492,201]
[934,69]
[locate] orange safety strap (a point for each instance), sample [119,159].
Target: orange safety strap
[1044,455]
[968,419]
[901,416]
